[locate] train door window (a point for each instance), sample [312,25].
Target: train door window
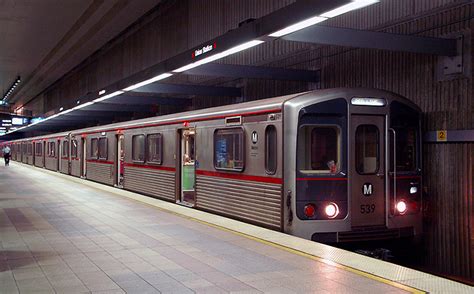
[95,148]
[319,149]
[367,149]
[52,150]
[65,149]
[103,148]
[270,150]
[29,149]
[74,148]
[138,148]
[229,149]
[38,149]
[154,148]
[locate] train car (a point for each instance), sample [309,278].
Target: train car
[335,165]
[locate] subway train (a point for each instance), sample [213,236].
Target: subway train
[335,165]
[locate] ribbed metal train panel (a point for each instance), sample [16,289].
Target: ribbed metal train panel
[250,201]
[64,166]
[157,183]
[100,172]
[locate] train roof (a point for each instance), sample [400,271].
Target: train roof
[230,110]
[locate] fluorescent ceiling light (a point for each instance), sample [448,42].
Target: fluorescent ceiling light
[109,96]
[298,26]
[83,105]
[220,55]
[349,7]
[146,82]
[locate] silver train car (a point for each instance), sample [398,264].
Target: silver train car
[335,165]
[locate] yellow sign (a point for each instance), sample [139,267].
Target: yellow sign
[442,136]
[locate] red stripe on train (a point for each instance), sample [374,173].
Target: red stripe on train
[321,179]
[100,161]
[157,167]
[240,177]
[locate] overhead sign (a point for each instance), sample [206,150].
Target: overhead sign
[203,50]
[442,136]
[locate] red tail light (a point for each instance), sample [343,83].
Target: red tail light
[309,210]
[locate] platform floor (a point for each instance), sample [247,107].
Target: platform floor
[62,236]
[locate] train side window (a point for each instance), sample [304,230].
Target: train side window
[74,148]
[65,149]
[103,148]
[154,148]
[138,148]
[229,149]
[271,150]
[95,148]
[367,149]
[319,149]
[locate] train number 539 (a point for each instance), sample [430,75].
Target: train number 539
[367,208]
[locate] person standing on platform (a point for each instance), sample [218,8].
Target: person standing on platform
[6,155]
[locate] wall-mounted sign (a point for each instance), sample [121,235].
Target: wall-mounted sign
[17,121]
[442,136]
[203,50]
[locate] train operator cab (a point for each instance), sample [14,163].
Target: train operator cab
[357,164]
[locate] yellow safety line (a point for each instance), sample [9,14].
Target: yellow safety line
[282,247]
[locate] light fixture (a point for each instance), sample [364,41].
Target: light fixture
[116,93]
[83,105]
[149,81]
[101,92]
[220,55]
[356,4]
[298,26]
[12,87]
[353,5]
[61,109]
[413,190]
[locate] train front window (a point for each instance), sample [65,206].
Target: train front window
[405,149]
[229,149]
[367,149]
[319,149]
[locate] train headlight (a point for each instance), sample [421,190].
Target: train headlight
[309,210]
[331,210]
[401,207]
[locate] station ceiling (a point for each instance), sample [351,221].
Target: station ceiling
[44,39]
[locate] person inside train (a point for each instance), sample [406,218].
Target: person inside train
[6,155]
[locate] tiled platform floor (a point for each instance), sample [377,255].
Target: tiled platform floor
[58,236]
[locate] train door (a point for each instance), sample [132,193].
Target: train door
[120,161]
[44,154]
[58,156]
[187,167]
[83,157]
[368,171]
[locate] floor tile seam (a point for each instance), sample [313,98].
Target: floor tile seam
[258,239]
